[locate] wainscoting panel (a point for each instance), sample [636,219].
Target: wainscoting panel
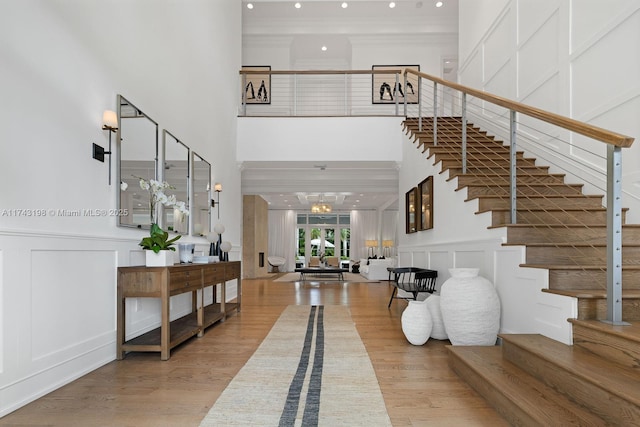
[77,280]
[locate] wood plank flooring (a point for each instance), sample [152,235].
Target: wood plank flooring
[418,386]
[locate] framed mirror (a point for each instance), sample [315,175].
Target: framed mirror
[175,172]
[411,200]
[201,205]
[137,142]
[426,203]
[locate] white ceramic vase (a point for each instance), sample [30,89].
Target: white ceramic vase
[438,330]
[470,308]
[416,322]
[160,259]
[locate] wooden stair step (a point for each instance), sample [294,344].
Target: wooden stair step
[481,170]
[592,303]
[520,398]
[505,179]
[456,162]
[522,190]
[541,217]
[567,277]
[606,388]
[540,202]
[617,343]
[568,254]
[527,234]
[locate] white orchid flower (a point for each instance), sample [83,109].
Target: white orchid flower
[144,184]
[124,186]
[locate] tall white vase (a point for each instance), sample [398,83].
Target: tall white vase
[416,322]
[470,308]
[438,330]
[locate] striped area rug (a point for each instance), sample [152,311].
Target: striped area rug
[311,370]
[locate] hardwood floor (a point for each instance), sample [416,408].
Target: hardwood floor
[418,386]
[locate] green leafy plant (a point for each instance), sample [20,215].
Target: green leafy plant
[158,240]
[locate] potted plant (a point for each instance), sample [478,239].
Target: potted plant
[159,248]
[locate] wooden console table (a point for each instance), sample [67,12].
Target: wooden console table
[165,282]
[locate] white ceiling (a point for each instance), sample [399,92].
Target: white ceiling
[346,184]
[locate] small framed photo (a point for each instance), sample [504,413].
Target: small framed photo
[426,203]
[411,210]
[385,89]
[256,86]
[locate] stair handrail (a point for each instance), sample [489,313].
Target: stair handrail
[615,142]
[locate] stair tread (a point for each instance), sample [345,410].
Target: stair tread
[593,293]
[568,245]
[554,226]
[616,379]
[538,400]
[629,332]
[599,267]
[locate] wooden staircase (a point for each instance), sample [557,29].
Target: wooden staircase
[531,379]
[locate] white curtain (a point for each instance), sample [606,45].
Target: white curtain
[282,237]
[363,227]
[390,229]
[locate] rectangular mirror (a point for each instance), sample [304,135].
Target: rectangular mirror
[201,205]
[426,204]
[137,142]
[176,173]
[411,200]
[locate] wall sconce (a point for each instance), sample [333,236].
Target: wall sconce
[218,189]
[370,244]
[110,123]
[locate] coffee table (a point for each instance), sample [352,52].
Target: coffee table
[319,271]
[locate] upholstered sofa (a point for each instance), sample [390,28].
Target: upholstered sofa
[376,269]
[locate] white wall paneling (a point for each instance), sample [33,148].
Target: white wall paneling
[579,59]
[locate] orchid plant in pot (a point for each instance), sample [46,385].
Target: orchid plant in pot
[157,244]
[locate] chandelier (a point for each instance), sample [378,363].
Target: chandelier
[321,206]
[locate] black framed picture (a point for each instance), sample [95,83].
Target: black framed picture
[411,209]
[256,86]
[426,203]
[385,89]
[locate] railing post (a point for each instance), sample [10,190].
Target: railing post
[295,94]
[513,164]
[435,113]
[395,91]
[244,94]
[405,94]
[464,133]
[614,235]
[346,94]
[420,103]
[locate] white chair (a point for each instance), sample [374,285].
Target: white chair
[276,262]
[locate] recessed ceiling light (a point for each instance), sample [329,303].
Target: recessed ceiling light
[324,48]
[249,5]
[439,4]
[345,5]
[298,5]
[392,5]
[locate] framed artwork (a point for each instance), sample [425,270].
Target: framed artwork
[426,203]
[411,205]
[384,89]
[256,88]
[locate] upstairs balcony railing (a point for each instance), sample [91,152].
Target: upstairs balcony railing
[412,94]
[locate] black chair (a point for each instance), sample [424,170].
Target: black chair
[413,280]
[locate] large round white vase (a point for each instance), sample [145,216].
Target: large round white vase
[416,322]
[470,308]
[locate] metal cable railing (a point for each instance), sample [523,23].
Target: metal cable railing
[442,111]
[522,188]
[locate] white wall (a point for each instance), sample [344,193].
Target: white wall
[63,63]
[580,59]
[460,238]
